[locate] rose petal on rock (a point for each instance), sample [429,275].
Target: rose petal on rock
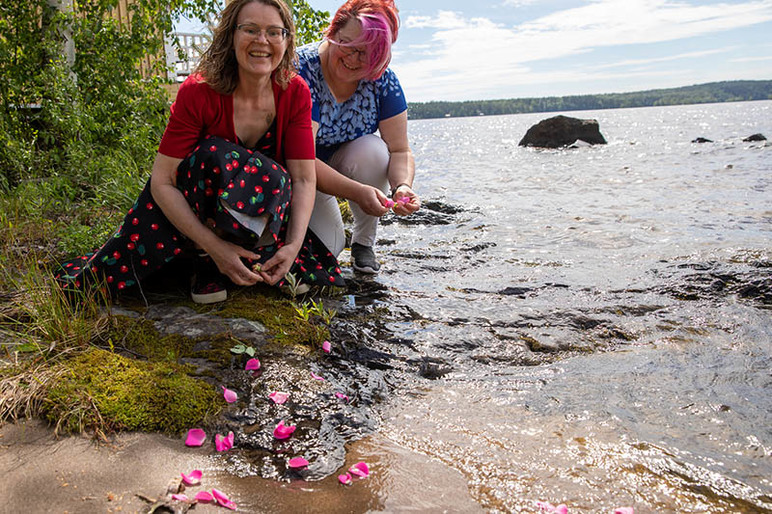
[204,496]
[359,469]
[326,346]
[316,377]
[297,462]
[342,396]
[193,479]
[196,437]
[279,397]
[223,444]
[180,498]
[345,479]
[624,510]
[223,500]
[252,365]
[283,431]
[230,396]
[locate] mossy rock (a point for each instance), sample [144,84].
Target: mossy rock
[102,391]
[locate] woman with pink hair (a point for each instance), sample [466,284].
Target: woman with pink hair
[355,95]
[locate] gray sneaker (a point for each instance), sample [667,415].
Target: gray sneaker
[364,259]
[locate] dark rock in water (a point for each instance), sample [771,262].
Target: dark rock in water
[561,131]
[754,138]
[702,140]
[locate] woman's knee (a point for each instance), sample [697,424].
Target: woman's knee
[365,160]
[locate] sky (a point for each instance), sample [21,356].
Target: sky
[464,50]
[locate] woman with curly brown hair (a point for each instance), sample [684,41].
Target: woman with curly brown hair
[219,187]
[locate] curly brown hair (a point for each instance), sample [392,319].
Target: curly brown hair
[218,65]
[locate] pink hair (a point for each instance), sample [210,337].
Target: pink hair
[380,25]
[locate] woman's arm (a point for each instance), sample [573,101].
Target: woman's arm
[226,255]
[302,203]
[331,182]
[401,163]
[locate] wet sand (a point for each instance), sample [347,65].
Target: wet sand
[44,474]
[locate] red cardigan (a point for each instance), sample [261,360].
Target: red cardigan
[199,111]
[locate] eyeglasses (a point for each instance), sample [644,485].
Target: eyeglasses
[348,51]
[272,34]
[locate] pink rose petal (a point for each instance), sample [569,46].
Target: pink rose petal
[342,396]
[389,204]
[404,200]
[297,462]
[548,507]
[194,478]
[229,395]
[204,496]
[316,377]
[283,431]
[180,498]
[326,346]
[223,500]
[359,469]
[624,510]
[345,479]
[223,444]
[196,437]
[252,365]
[279,397]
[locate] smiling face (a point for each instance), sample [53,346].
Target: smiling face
[348,63]
[257,57]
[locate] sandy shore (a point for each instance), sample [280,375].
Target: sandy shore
[42,474]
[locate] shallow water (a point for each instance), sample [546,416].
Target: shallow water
[588,326]
[596,321]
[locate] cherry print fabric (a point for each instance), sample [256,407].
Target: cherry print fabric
[216,171]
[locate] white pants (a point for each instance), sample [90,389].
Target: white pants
[365,160]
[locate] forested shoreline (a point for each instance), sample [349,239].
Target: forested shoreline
[714,92]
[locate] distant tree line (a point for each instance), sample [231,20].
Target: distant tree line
[714,92]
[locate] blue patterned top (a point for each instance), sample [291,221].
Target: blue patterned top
[372,102]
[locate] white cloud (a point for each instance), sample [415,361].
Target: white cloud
[472,57]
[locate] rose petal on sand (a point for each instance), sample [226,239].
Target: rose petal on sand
[548,507]
[342,396]
[297,462]
[624,510]
[345,479]
[316,377]
[196,437]
[326,346]
[252,365]
[204,496]
[193,479]
[359,469]
[229,395]
[180,498]
[279,397]
[223,500]
[223,444]
[283,431]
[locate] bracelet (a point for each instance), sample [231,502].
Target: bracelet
[394,189]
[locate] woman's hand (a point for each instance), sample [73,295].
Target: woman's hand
[405,201]
[371,200]
[227,256]
[275,268]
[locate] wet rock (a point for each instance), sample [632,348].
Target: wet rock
[754,138]
[562,131]
[701,140]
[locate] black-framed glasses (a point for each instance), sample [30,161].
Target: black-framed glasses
[350,50]
[272,34]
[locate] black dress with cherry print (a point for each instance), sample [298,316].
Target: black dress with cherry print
[217,171]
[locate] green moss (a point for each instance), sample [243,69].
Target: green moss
[276,313]
[140,336]
[103,391]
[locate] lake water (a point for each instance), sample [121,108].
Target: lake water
[593,325]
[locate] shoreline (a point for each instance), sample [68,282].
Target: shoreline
[72,474]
